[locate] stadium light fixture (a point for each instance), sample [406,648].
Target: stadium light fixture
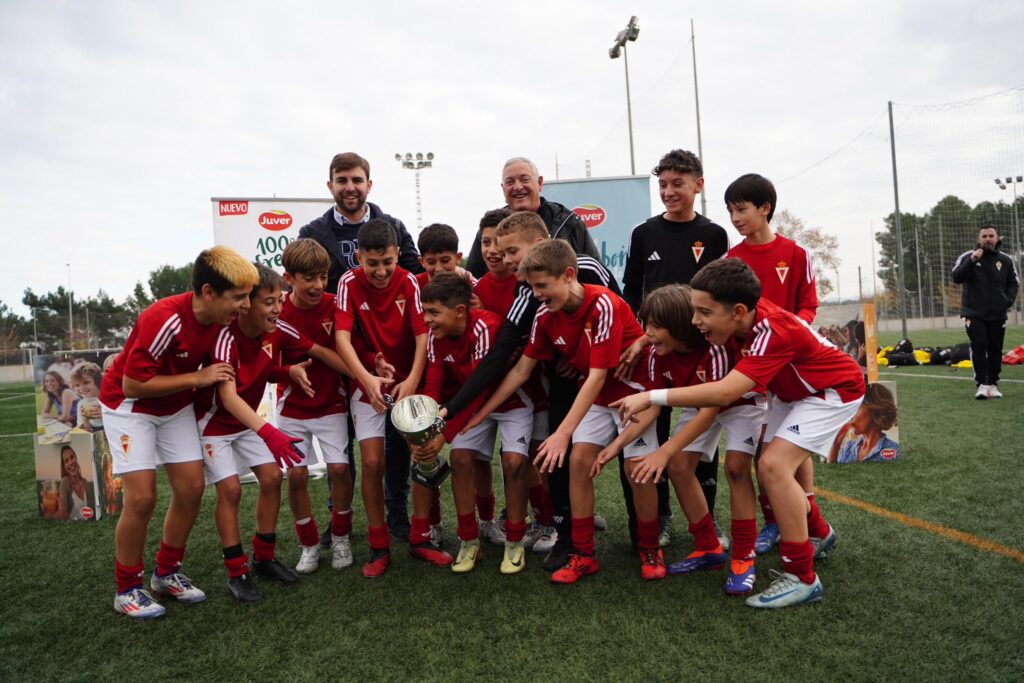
[1017,246]
[416,163]
[628,34]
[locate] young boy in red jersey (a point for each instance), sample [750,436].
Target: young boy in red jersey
[460,336]
[497,288]
[817,387]
[146,399]
[311,310]
[591,325]
[235,438]
[787,280]
[379,303]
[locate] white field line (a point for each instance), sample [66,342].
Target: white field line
[11,398]
[890,373]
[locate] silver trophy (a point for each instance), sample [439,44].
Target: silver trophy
[416,418]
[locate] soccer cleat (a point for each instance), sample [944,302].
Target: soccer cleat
[469,553]
[325,538]
[559,554]
[786,590]
[698,560]
[723,539]
[309,560]
[652,564]
[273,569]
[378,563]
[740,580]
[428,552]
[547,540]
[533,534]
[490,531]
[576,568]
[437,534]
[600,523]
[664,530]
[823,547]
[993,391]
[514,560]
[767,539]
[341,552]
[177,586]
[982,393]
[244,588]
[137,604]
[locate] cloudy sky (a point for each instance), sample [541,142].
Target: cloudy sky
[119,120]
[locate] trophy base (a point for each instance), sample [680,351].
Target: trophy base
[434,479]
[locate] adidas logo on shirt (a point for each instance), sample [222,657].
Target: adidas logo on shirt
[364,307]
[521,440]
[654,257]
[749,441]
[449,358]
[793,428]
[560,341]
[640,443]
[183,354]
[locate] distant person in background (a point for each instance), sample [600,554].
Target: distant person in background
[75,493]
[990,283]
[864,439]
[59,398]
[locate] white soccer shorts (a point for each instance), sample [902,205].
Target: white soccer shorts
[233,455]
[141,442]
[601,425]
[331,432]
[811,423]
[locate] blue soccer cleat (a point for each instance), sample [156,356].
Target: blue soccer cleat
[740,580]
[698,560]
[767,539]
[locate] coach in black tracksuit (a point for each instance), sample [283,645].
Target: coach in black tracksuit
[990,283]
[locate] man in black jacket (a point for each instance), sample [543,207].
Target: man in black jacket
[990,283]
[521,184]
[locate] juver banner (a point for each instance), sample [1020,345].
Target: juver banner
[260,229]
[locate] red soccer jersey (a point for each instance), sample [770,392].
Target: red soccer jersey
[422,279]
[707,363]
[784,355]
[496,295]
[316,324]
[786,274]
[166,340]
[592,336]
[388,319]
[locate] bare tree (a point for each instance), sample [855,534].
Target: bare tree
[823,247]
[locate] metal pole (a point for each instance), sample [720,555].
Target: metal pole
[419,204]
[899,229]
[629,111]
[839,293]
[942,261]
[35,330]
[71,322]
[1016,239]
[860,286]
[88,329]
[917,260]
[696,100]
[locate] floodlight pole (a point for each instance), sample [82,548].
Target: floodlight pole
[1018,247]
[71,322]
[696,100]
[899,229]
[627,34]
[416,163]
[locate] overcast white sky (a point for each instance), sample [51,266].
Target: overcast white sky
[119,120]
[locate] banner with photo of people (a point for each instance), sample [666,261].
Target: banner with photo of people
[74,467]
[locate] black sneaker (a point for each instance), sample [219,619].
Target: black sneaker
[559,554]
[244,588]
[325,537]
[398,525]
[273,569]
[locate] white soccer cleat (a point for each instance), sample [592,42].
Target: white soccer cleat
[490,531]
[138,604]
[982,393]
[786,590]
[547,540]
[341,552]
[437,535]
[177,586]
[309,559]
[533,534]
[993,391]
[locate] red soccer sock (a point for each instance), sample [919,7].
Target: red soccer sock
[647,532]
[583,534]
[514,531]
[704,538]
[744,533]
[485,507]
[816,525]
[168,559]
[379,537]
[435,507]
[263,550]
[237,566]
[307,532]
[468,528]
[540,500]
[798,559]
[420,531]
[341,523]
[766,508]
[127,578]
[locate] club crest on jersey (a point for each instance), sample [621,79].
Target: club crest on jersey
[328,325]
[697,249]
[268,348]
[702,375]
[999,265]
[782,269]
[400,302]
[126,443]
[209,449]
[587,331]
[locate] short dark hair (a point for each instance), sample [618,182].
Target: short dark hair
[752,188]
[729,281]
[222,268]
[438,238]
[447,289]
[376,234]
[305,255]
[670,307]
[269,280]
[680,161]
[494,216]
[988,225]
[346,161]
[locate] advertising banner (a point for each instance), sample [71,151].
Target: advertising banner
[610,208]
[873,435]
[260,229]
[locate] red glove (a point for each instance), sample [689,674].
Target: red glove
[281,445]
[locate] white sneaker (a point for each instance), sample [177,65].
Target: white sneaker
[786,590]
[722,537]
[993,391]
[138,604]
[547,540]
[437,535]
[533,534]
[490,531]
[341,552]
[309,559]
[982,393]
[177,586]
